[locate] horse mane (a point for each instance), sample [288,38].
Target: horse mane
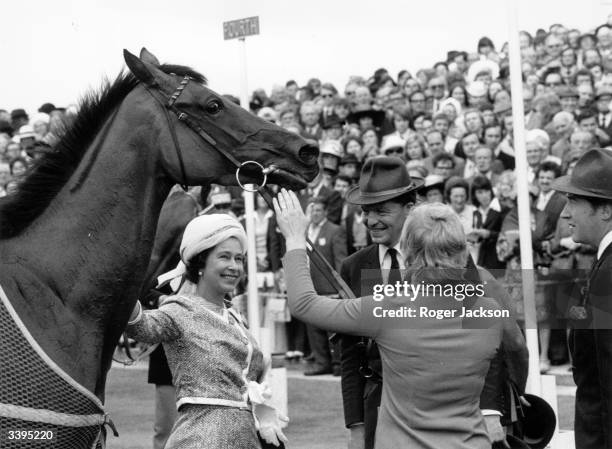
[51,172]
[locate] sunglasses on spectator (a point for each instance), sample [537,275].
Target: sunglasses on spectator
[437,86]
[553,83]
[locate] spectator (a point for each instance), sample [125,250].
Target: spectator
[459,93]
[469,144]
[309,116]
[330,240]
[433,189]
[587,121]
[486,225]
[456,193]
[349,166]
[473,122]
[441,122]
[415,148]
[394,146]
[19,118]
[18,167]
[604,116]
[418,101]
[370,144]
[568,96]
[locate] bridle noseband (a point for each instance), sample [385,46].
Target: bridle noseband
[184,117]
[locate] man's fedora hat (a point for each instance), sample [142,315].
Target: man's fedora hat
[382,178]
[538,423]
[377,116]
[591,176]
[331,121]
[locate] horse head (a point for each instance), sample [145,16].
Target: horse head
[206,129]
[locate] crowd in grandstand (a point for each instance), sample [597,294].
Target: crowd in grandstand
[452,125]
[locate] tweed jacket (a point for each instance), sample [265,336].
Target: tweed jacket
[213,358]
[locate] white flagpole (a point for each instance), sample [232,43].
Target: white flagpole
[524,215]
[249,210]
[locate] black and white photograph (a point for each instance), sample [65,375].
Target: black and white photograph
[306,225]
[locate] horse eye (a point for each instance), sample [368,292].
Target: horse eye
[214,107]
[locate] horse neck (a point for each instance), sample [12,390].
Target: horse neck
[93,243]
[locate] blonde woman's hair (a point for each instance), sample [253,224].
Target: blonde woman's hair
[433,236]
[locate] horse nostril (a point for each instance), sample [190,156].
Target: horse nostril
[308,154]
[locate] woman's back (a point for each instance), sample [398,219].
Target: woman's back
[434,374]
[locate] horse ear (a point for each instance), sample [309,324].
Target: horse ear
[139,68]
[149,57]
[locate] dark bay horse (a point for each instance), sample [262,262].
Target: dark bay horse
[75,240]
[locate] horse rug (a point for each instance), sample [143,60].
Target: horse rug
[41,406]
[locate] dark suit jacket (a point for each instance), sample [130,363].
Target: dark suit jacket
[507,160]
[361,271]
[348,226]
[352,353]
[591,348]
[274,244]
[555,205]
[487,256]
[607,130]
[316,135]
[331,243]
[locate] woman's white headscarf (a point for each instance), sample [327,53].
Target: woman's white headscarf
[202,233]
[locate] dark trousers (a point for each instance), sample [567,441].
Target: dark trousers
[371,402]
[296,336]
[319,345]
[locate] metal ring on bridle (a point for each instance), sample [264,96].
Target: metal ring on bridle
[263,173]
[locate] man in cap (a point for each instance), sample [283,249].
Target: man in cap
[332,127]
[19,118]
[349,166]
[477,93]
[568,96]
[394,146]
[603,97]
[386,193]
[589,214]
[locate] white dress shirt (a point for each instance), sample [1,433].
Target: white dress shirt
[605,242]
[543,199]
[314,229]
[385,260]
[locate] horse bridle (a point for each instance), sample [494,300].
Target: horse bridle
[184,117]
[317,258]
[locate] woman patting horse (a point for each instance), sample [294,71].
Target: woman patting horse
[434,369]
[216,365]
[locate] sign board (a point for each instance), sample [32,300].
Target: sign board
[241,28]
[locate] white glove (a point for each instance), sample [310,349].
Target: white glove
[269,423]
[268,420]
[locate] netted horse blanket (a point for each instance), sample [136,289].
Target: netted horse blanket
[40,405]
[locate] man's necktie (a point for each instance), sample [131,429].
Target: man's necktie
[394,274]
[477,220]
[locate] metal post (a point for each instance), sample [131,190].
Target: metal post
[518,113]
